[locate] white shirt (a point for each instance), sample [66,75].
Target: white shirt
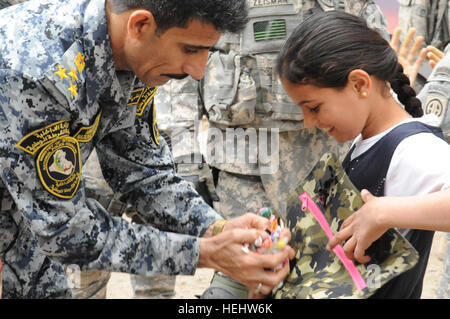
[419,165]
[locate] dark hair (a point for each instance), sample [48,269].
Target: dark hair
[327,46]
[225,15]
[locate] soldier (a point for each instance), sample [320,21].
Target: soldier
[68,86]
[431,21]
[435,97]
[244,100]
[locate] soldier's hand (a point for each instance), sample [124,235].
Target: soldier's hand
[360,229]
[224,252]
[409,56]
[434,55]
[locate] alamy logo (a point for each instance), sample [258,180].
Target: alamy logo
[232,146]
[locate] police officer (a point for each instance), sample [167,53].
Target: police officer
[92,283]
[251,117]
[67,85]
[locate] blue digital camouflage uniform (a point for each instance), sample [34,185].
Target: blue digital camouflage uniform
[60,96]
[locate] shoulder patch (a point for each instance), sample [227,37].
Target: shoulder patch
[436,104]
[59,167]
[141,98]
[34,141]
[67,75]
[155,131]
[86,134]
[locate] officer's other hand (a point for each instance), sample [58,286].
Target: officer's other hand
[411,57]
[247,221]
[225,252]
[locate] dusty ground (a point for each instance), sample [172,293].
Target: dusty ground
[187,287]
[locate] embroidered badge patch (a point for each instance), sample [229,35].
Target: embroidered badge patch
[38,139]
[86,134]
[436,104]
[59,167]
[141,98]
[155,130]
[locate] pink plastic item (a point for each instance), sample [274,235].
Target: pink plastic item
[308,203]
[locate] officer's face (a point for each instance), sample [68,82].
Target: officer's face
[338,112]
[176,53]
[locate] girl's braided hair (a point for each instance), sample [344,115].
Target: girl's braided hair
[327,46]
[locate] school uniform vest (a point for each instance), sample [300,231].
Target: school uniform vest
[368,171]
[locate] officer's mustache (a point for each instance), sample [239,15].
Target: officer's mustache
[176,76]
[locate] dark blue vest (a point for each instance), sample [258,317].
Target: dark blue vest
[368,171]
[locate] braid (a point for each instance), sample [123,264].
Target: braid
[406,94]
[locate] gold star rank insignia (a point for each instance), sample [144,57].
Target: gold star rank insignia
[73,90]
[73,74]
[79,62]
[61,73]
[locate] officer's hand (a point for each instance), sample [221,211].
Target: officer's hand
[434,55]
[224,252]
[361,229]
[409,56]
[247,221]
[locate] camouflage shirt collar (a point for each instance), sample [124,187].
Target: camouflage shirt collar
[101,77]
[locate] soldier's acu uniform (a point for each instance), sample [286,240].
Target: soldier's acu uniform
[241,91]
[435,98]
[60,96]
[431,19]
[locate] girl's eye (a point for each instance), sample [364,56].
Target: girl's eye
[315,109]
[190,51]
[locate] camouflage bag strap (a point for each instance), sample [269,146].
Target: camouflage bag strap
[318,273]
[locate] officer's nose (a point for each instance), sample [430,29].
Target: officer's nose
[195,64]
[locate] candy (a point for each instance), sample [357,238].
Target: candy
[265,212]
[272,244]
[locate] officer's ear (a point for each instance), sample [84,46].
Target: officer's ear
[141,24]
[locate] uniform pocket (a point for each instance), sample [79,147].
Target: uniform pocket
[229,91]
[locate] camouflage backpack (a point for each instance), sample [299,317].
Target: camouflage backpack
[316,209]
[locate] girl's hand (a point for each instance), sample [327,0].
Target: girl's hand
[362,228]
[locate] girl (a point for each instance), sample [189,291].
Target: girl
[340,72]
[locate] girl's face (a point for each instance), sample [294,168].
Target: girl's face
[338,112]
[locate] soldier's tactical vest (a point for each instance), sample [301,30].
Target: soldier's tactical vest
[241,88]
[429,18]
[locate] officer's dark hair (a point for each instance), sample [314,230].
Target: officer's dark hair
[225,15]
[327,46]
